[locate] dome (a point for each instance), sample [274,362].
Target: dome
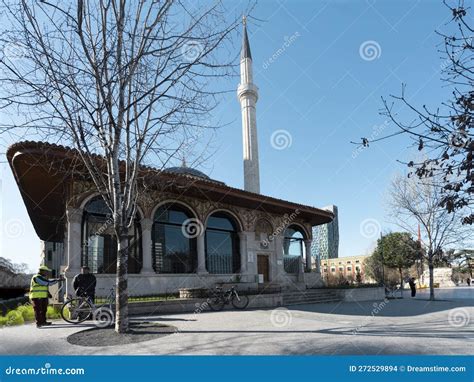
[187,171]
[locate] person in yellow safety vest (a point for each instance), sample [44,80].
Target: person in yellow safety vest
[39,294]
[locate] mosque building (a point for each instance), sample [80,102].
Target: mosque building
[191,231]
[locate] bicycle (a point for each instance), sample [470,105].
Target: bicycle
[79,309]
[391,292]
[221,298]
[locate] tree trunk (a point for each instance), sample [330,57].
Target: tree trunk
[400,270]
[431,267]
[121,299]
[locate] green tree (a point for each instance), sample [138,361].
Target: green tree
[373,268]
[398,251]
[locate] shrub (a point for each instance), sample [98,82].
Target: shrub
[14,318]
[52,313]
[3,321]
[27,312]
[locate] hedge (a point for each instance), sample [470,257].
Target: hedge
[25,313]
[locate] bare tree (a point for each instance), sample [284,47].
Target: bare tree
[447,130]
[416,204]
[130,81]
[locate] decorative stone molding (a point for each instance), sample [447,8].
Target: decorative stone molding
[203,208]
[149,199]
[249,217]
[147,202]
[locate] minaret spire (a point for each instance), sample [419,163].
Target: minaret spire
[245,41]
[247,93]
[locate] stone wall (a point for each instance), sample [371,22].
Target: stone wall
[165,284]
[362,294]
[262,301]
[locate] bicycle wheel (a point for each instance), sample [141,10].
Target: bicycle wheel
[216,303]
[240,301]
[76,310]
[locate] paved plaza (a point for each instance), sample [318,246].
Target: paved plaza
[400,326]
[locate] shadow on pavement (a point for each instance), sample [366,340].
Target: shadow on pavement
[389,308]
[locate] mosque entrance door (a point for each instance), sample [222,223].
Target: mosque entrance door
[263,267]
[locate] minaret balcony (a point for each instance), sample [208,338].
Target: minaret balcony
[247,90]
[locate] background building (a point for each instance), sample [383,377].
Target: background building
[326,238]
[345,269]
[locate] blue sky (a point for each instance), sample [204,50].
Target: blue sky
[321,90]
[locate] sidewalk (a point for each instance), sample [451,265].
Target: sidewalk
[408,326]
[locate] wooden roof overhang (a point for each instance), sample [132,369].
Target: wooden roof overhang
[44,177]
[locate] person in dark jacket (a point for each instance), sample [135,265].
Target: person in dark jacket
[412,286]
[84,284]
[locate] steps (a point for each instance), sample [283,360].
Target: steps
[310,296]
[269,288]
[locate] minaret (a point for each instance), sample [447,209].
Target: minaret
[247,93]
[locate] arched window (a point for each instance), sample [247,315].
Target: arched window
[99,243]
[174,251]
[222,244]
[293,249]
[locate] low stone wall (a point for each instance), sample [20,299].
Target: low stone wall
[165,284]
[258,301]
[167,306]
[198,305]
[266,301]
[362,294]
[313,280]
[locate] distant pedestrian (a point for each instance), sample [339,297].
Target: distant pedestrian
[412,286]
[468,280]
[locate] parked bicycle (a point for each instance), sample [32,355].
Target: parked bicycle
[394,291]
[80,309]
[231,296]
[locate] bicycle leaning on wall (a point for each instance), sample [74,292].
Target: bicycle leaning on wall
[231,296]
[79,309]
